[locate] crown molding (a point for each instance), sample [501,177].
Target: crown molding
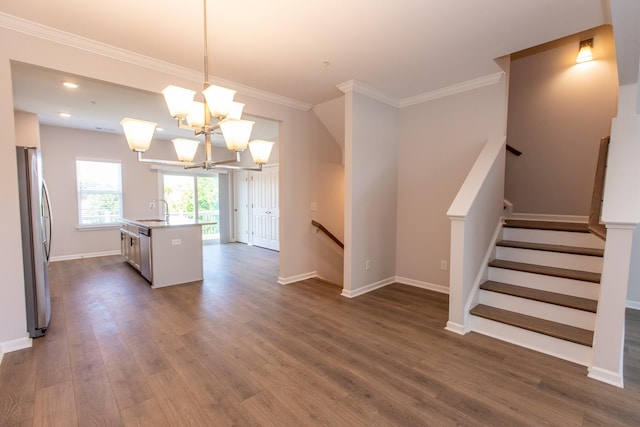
[359,87]
[356,86]
[453,89]
[74,41]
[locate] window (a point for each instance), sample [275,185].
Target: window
[99,192]
[194,196]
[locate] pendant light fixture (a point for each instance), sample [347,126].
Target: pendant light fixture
[197,116]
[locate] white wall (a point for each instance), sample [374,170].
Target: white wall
[296,130]
[61,147]
[558,112]
[371,169]
[438,143]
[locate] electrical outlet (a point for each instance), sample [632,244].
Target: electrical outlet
[152,205]
[314,206]
[367,264]
[444,265]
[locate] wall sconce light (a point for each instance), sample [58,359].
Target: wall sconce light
[584,54]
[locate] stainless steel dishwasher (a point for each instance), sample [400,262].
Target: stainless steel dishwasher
[145,253]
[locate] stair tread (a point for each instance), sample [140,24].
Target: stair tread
[566,273]
[578,227]
[535,324]
[552,248]
[554,298]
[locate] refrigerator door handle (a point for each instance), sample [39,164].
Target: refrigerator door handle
[49,225]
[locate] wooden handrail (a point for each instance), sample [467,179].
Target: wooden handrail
[598,191]
[513,150]
[327,232]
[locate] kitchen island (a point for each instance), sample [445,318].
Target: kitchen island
[165,252]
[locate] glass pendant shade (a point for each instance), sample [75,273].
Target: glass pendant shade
[219,100]
[138,133]
[236,110]
[236,133]
[195,118]
[260,151]
[178,101]
[185,148]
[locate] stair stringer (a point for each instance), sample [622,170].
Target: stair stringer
[481,277]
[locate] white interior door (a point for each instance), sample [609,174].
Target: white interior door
[241,206]
[265,211]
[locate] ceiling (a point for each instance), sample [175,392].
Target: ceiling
[100,106]
[303,50]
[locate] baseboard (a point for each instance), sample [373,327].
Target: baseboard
[368,288]
[455,328]
[548,217]
[297,278]
[14,345]
[82,256]
[634,305]
[424,285]
[609,377]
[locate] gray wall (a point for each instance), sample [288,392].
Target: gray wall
[558,111]
[438,143]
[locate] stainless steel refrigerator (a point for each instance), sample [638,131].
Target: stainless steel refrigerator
[35,219]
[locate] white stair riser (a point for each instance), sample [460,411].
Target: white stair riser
[567,238]
[566,350]
[551,259]
[546,283]
[555,313]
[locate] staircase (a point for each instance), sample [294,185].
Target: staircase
[542,288]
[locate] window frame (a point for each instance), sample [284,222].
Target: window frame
[115,222]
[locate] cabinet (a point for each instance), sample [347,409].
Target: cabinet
[130,245]
[164,253]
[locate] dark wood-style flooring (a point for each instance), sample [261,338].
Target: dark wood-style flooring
[239,349]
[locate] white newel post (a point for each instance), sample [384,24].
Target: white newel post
[621,214]
[457,321]
[608,340]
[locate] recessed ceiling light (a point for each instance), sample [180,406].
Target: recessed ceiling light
[65,115]
[70,85]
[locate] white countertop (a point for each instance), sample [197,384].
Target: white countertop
[160,223]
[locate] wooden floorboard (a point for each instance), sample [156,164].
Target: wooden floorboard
[554,298]
[535,324]
[240,349]
[565,273]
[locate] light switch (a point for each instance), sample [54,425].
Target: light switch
[314,206]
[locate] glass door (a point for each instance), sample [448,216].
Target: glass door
[194,197]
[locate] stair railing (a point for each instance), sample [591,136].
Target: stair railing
[595,226]
[514,151]
[327,232]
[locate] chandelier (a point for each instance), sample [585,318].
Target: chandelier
[197,116]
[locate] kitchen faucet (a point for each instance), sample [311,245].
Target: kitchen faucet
[166,209]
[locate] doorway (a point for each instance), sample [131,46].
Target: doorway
[194,197]
[256,207]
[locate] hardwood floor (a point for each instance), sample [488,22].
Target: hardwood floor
[239,349]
